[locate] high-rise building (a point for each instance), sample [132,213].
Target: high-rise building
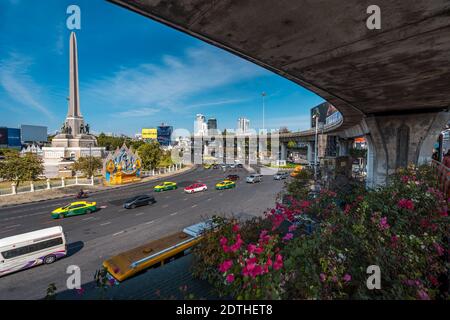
[243,125]
[212,126]
[200,126]
[164,135]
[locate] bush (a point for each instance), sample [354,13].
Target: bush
[401,228]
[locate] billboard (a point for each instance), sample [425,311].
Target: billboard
[3,136]
[321,110]
[165,135]
[14,137]
[33,133]
[150,133]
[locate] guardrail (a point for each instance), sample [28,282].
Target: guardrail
[443,174]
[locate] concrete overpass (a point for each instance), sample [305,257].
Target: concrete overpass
[391,84]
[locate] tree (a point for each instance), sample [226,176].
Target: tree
[292,144]
[150,154]
[88,165]
[284,130]
[18,168]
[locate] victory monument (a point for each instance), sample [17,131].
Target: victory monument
[74,140]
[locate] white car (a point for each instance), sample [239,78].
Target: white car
[196,187]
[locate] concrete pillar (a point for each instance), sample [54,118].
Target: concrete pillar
[63,182]
[283,152]
[76,179]
[344,147]
[398,140]
[92,180]
[310,152]
[48,184]
[31,186]
[13,188]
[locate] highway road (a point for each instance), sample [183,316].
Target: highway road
[95,237]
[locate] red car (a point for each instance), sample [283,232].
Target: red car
[232,177]
[196,187]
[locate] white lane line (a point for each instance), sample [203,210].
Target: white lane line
[165,206]
[209,199]
[13,226]
[89,218]
[194,205]
[117,233]
[150,222]
[106,223]
[174,214]
[185,199]
[139,214]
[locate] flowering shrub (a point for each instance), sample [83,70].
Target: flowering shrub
[401,228]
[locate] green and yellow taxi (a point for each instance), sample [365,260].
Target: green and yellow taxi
[74,209]
[225,184]
[165,186]
[207,166]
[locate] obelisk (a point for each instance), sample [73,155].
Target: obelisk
[74,118]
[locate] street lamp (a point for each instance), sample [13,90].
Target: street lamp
[263,94]
[316,149]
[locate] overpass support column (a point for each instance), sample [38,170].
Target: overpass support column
[283,150]
[344,147]
[394,141]
[310,152]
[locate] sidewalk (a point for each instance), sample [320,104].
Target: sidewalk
[44,195]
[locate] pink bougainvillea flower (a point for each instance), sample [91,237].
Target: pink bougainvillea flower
[278,264]
[347,209]
[288,237]
[423,295]
[292,228]
[225,266]
[230,278]
[322,277]
[433,280]
[237,245]
[223,241]
[347,277]
[384,224]
[235,228]
[394,241]
[407,204]
[405,179]
[440,251]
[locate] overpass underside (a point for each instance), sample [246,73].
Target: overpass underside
[390,84]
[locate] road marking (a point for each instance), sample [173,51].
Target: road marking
[139,214]
[121,210]
[90,218]
[185,199]
[173,214]
[209,199]
[165,206]
[150,222]
[13,226]
[117,233]
[106,223]
[194,205]
[221,194]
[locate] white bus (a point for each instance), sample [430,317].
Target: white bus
[30,249]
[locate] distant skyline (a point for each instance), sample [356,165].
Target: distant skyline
[133,73]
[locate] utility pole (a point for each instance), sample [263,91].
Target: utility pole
[316,147]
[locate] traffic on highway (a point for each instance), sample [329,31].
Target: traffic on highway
[118,213]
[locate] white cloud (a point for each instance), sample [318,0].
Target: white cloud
[19,85]
[139,112]
[172,83]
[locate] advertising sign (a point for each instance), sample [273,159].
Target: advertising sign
[149,133]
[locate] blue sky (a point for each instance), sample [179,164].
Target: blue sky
[133,73]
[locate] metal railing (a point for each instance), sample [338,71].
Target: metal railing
[443,174]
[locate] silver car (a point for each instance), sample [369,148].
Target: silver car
[253,178]
[280,175]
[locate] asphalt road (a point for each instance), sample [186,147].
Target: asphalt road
[93,238]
